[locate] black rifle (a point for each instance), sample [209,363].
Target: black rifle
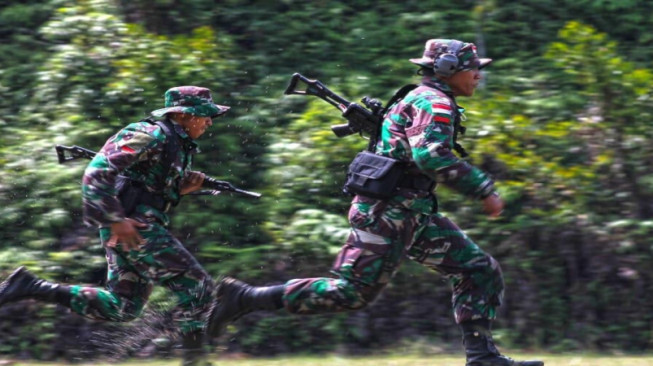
[215,186]
[359,120]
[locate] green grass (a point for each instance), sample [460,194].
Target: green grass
[438,360]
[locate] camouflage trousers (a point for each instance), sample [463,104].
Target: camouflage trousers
[381,236]
[132,274]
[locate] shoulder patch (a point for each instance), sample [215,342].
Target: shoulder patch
[134,142]
[441,112]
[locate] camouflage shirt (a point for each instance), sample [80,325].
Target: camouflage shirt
[136,151]
[419,129]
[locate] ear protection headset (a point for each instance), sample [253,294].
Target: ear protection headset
[446,64]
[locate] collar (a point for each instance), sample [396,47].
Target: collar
[434,82]
[186,140]
[179,129]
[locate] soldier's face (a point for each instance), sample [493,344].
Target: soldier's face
[195,126]
[463,83]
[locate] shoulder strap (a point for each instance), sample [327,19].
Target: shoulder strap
[458,129]
[171,146]
[399,94]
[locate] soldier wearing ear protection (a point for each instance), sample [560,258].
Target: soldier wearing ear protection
[419,130]
[448,56]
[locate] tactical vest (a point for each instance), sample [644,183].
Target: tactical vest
[378,176]
[132,193]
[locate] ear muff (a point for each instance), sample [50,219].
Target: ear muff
[447,63]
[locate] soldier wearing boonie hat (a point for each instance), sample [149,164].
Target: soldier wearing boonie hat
[450,68]
[465,53]
[191,100]
[419,130]
[140,250]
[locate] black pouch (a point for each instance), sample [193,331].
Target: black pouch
[129,193]
[373,175]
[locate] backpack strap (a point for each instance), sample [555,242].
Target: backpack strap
[458,129]
[399,94]
[171,146]
[132,192]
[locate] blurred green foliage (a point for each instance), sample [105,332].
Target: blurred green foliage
[562,123]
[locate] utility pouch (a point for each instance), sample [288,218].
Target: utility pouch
[129,193]
[373,175]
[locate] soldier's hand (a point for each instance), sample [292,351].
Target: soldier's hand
[192,182]
[126,233]
[493,205]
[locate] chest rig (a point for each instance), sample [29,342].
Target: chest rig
[132,192]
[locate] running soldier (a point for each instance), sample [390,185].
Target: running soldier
[421,130]
[128,188]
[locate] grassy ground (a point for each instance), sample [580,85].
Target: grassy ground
[550,360]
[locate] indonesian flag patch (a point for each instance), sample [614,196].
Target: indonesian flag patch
[127,149]
[441,112]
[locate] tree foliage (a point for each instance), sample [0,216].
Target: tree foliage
[561,123]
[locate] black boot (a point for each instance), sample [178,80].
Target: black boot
[23,285]
[193,353]
[234,299]
[480,348]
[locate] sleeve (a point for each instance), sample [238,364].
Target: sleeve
[431,141]
[100,203]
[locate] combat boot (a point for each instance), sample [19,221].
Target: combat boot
[234,299]
[480,348]
[193,352]
[21,284]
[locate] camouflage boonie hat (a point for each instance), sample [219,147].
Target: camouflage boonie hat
[193,100]
[467,57]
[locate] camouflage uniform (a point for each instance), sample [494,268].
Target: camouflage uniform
[418,129]
[137,152]
[139,175]
[162,258]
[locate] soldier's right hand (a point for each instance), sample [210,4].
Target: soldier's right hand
[493,205]
[126,233]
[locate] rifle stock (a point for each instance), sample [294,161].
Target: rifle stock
[316,88]
[76,152]
[359,120]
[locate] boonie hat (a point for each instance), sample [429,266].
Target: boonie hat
[467,56]
[193,100]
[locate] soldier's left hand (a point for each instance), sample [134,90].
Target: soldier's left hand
[192,182]
[493,205]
